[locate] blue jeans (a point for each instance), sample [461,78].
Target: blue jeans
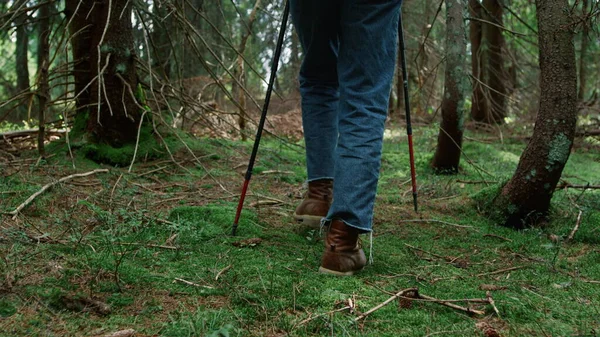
[345,82]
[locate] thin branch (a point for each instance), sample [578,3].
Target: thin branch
[48,186]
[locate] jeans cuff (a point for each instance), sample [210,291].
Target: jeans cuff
[361,229]
[319,178]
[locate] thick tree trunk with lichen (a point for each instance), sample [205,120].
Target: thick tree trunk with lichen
[525,199]
[447,154]
[104,71]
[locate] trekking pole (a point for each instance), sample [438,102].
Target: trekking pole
[413,175]
[263,116]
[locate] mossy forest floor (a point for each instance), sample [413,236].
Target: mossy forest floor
[150,250]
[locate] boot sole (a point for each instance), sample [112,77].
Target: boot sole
[309,220]
[337,273]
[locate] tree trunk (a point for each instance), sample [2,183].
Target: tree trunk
[447,155]
[240,72]
[191,59]
[43,65]
[104,56]
[162,42]
[21,65]
[525,199]
[487,42]
[479,106]
[496,75]
[583,55]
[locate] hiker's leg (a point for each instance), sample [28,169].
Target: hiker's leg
[366,61]
[317,25]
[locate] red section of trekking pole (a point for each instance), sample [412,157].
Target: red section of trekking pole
[240,206]
[413,174]
[263,116]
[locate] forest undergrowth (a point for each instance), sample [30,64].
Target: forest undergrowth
[150,250]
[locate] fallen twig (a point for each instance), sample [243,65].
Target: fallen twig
[264,203]
[222,271]
[276,172]
[191,283]
[476,181]
[577,223]
[566,184]
[425,251]
[448,304]
[325,314]
[149,245]
[492,303]
[48,186]
[122,333]
[440,222]
[386,302]
[500,271]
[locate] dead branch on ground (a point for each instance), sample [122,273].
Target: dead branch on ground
[48,186]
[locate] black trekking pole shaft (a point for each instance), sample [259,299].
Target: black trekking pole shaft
[411,152]
[263,116]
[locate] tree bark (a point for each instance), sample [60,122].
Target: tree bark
[525,199]
[102,41]
[22,51]
[21,64]
[479,106]
[240,73]
[583,54]
[496,74]
[487,43]
[43,65]
[447,155]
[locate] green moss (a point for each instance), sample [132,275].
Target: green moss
[121,68]
[512,209]
[559,151]
[79,123]
[148,148]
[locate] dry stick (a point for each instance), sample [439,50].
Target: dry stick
[325,314]
[137,141]
[177,279]
[476,181]
[48,186]
[112,192]
[424,251]
[492,303]
[395,296]
[439,221]
[122,333]
[222,271]
[446,303]
[149,245]
[500,271]
[570,237]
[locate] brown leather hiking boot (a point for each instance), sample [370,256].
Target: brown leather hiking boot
[343,254]
[316,203]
